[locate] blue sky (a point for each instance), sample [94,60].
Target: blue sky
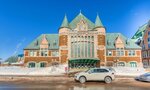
[21,21]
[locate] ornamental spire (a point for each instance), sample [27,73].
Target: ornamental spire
[98,22]
[65,22]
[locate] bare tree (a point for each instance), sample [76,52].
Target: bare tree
[1,61]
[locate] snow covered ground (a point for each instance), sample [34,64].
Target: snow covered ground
[128,71]
[60,70]
[15,70]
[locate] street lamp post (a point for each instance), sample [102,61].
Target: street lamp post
[116,60]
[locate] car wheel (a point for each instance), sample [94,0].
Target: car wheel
[108,79]
[82,79]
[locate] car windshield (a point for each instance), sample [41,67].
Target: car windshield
[87,70]
[111,69]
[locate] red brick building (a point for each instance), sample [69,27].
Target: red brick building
[146,47]
[81,44]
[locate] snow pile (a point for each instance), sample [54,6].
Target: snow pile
[53,70]
[16,70]
[60,70]
[128,71]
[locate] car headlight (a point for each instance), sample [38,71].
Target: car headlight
[76,74]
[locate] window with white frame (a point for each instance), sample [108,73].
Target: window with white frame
[55,53]
[148,53]
[145,54]
[122,64]
[131,53]
[142,54]
[120,51]
[44,51]
[148,45]
[109,53]
[145,64]
[32,53]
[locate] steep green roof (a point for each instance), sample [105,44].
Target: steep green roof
[78,18]
[65,22]
[98,22]
[140,32]
[111,37]
[53,42]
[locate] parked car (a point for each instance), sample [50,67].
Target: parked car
[112,69]
[144,77]
[95,74]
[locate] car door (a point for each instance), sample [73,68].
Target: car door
[102,73]
[92,74]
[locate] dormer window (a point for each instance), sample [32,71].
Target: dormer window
[54,44]
[36,43]
[127,42]
[108,42]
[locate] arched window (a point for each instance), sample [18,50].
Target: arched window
[31,65]
[122,64]
[42,64]
[133,64]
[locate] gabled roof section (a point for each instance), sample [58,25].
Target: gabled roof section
[119,39]
[77,20]
[65,22]
[98,22]
[44,40]
[53,42]
[128,43]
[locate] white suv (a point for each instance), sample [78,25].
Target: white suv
[95,74]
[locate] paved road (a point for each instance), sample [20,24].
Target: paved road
[119,84]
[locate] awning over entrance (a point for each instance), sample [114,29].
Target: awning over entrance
[83,62]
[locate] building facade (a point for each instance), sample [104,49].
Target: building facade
[82,44]
[145,44]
